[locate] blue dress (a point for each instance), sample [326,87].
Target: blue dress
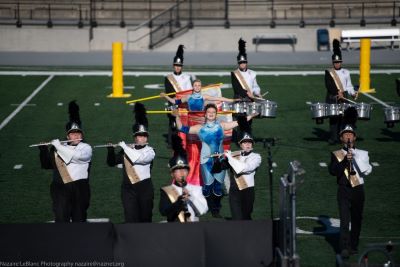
[212,137]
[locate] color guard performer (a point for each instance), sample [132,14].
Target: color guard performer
[70,191]
[195,102]
[339,86]
[350,165]
[137,191]
[243,168]
[211,134]
[181,201]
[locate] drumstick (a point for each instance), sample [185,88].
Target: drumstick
[351,101]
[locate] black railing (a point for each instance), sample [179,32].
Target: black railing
[171,22]
[226,13]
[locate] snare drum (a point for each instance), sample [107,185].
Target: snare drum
[364,111]
[318,110]
[392,114]
[253,108]
[225,106]
[268,109]
[239,107]
[333,110]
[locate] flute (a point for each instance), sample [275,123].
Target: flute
[49,143]
[233,153]
[112,145]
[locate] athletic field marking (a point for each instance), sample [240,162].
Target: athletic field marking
[375,164]
[274,165]
[376,99]
[308,103]
[60,104]
[26,101]
[28,105]
[18,166]
[323,164]
[97,104]
[195,73]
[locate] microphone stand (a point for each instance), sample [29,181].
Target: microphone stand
[270,142]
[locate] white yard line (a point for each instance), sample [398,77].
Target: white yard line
[26,101]
[195,73]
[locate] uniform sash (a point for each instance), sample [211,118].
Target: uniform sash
[336,79]
[353,179]
[241,80]
[174,83]
[173,197]
[130,171]
[62,169]
[240,181]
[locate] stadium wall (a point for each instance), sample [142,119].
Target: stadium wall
[200,39]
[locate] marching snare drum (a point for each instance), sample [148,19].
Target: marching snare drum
[333,109]
[392,114]
[364,111]
[225,106]
[239,107]
[253,108]
[318,110]
[268,109]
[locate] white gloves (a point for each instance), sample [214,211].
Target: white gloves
[122,145]
[132,154]
[64,152]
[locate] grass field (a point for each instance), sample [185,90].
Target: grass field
[24,192]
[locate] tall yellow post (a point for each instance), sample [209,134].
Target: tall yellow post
[365,67]
[117,71]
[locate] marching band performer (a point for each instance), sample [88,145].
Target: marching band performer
[338,85]
[243,169]
[70,191]
[244,80]
[137,191]
[176,82]
[211,134]
[350,165]
[181,201]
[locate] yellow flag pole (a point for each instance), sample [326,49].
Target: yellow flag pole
[365,67]
[173,93]
[117,71]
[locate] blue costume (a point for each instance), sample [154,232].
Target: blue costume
[212,136]
[195,102]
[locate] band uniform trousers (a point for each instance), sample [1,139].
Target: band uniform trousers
[241,201]
[351,205]
[137,200]
[71,200]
